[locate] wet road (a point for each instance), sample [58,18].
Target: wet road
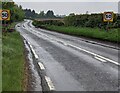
[71,63]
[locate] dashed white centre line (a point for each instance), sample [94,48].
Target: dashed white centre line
[41,66]
[97,56]
[49,83]
[36,56]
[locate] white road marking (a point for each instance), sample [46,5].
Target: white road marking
[28,42]
[107,59]
[63,43]
[100,59]
[89,52]
[104,58]
[49,83]
[36,56]
[41,66]
[83,50]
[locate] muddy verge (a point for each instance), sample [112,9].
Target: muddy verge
[28,78]
[32,81]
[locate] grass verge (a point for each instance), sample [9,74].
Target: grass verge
[12,62]
[0,60]
[95,33]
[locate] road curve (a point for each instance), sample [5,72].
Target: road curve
[71,63]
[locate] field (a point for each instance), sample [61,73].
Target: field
[12,62]
[96,33]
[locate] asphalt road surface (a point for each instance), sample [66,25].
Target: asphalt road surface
[72,63]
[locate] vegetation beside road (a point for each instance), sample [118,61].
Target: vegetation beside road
[13,56]
[96,33]
[17,13]
[87,25]
[12,62]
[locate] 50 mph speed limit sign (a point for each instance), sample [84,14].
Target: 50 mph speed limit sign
[108,16]
[4,14]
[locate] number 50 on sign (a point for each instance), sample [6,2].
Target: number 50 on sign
[4,14]
[108,16]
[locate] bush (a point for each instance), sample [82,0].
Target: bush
[92,20]
[48,22]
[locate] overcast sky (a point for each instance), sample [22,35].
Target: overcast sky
[61,8]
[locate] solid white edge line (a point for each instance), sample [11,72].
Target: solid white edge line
[91,41]
[41,66]
[63,43]
[100,59]
[112,61]
[83,50]
[49,83]
[104,58]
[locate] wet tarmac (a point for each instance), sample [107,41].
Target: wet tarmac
[71,69]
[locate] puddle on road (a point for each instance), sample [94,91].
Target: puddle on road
[35,78]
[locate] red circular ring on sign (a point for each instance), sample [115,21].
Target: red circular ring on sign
[7,13]
[108,13]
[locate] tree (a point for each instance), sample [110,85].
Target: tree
[41,14]
[50,14]
[33,14]
[17,13]
[30,13]
[20,7]
[72,14]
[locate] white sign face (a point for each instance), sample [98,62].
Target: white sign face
[4,15]
[108,16]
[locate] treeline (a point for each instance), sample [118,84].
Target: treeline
[32,14]
[83,20]
[91,20]
[16,12]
